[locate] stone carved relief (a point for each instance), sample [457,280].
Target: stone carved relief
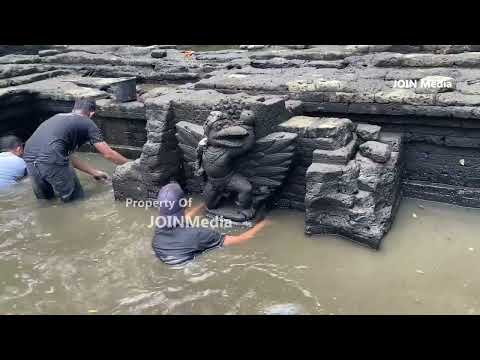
[240,171]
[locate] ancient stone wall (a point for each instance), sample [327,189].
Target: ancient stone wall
[160,160]
[357,82]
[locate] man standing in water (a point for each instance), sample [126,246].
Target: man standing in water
[12,166]
[48,153]
[175,242]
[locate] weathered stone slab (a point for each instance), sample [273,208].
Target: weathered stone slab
[19,59]
[294,107]
[457,99]
[122,89]
[344,97]
[13,70]
[320,64]
[456,166]
[471,59]
[319,85]
[81,57]
[377,151]
[404,96]
[27,79]
[307,145]
[252,47]
[324,173]
[368,132]
[128,110]
[451,194]
[315,127]
[435,84]
[276,63]
[48,52]
[340,156]
[158,54]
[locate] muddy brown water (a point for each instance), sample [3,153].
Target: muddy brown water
[95,257]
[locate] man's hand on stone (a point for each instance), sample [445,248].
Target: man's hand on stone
[100,175]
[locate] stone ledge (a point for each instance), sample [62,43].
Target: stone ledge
[315,127]
[30,78]
[457,195]
[340,156]
[129,110]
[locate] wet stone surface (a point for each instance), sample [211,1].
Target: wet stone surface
[377,151]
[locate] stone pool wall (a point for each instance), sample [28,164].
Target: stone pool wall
[123,124]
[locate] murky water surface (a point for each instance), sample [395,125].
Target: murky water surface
[95,257]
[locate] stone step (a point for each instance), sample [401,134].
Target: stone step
[458,195]
[26,79]
[122,89]
[317,127]
[130,152]
[340,156]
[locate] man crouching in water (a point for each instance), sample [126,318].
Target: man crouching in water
[175,243]
[48,153]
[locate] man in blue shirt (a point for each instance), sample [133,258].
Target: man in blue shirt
[12,166]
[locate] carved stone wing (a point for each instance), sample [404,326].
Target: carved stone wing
[268,163]
[188,136]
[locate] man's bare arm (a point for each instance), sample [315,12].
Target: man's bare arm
[194,211]
[247,235]
[86,168]
[110,154]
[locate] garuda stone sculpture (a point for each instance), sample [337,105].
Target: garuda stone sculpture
[241,171]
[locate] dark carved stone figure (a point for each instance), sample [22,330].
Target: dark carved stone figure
[241,171]
[226,140]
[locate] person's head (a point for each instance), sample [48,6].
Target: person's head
[85,107]
[171,202]
[12,144]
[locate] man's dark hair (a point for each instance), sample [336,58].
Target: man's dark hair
[10,142]
[85,105]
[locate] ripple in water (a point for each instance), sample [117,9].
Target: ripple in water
[283,309]
[95,256]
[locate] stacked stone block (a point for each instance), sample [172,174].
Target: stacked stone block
[159,161]
[354,190]
[327,134]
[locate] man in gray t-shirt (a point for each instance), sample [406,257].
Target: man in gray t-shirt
[48,152]
[176,243]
